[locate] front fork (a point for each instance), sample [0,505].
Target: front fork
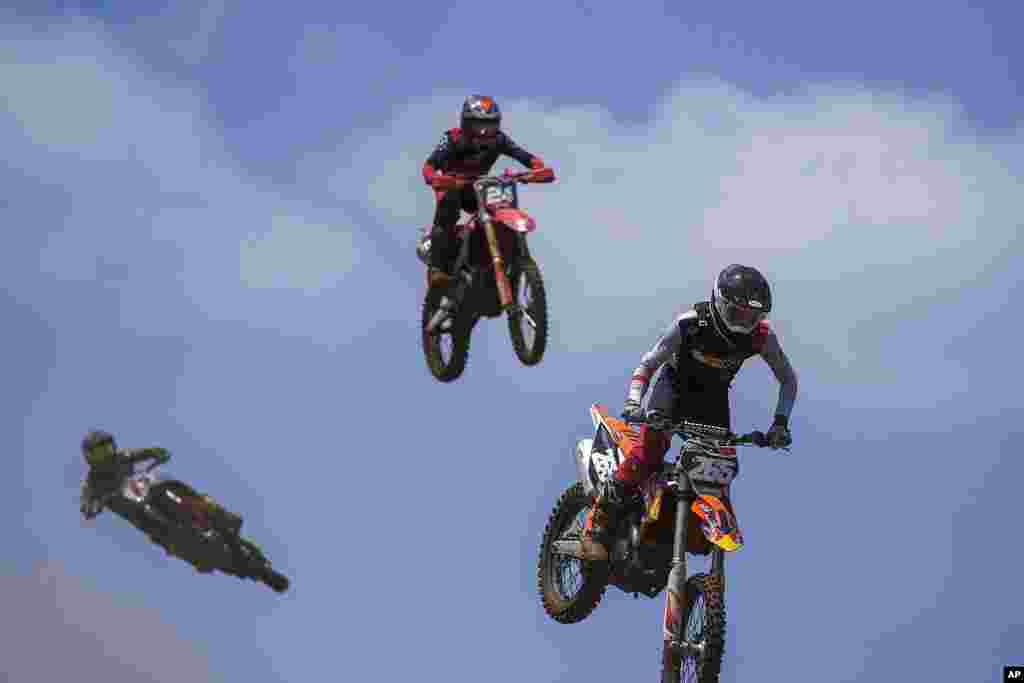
[676,588]
[504,287]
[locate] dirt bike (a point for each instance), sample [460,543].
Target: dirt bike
[683,507]
[171,514]
[493,273]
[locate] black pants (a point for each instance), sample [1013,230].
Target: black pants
[443,246]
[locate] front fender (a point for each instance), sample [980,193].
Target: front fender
[516,219]
[718,523]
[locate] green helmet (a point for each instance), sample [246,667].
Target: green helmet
[98,447]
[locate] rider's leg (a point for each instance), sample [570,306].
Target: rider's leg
[632,471]
[221,516]
[446,215]
[443,245]
[642,462]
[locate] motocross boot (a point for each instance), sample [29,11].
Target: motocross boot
[602,520]
[437,278]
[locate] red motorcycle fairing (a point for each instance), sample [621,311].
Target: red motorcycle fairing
[516,219]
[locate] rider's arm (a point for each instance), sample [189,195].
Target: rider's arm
[137,455]
[784,372]
[438,159]
[509,148]
[662,351]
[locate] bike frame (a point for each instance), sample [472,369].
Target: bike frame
[703,498]
[497,203]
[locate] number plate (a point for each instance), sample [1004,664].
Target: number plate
[712,470]
[602,466]
[498,195]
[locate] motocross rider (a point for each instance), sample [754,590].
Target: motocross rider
[110,466]
[468,151]
[699,355]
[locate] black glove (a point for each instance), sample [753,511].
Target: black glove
[632,412]
[778,435]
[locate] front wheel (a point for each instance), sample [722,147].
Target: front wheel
[528,321]
[570,588]
[259,567]
[447,347]
[705,626]
[278,582]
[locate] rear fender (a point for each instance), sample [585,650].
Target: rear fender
[516,219]
[718,523]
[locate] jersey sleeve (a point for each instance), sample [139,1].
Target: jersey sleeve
[667,345]
[779,363]
[510,148]
[439,158]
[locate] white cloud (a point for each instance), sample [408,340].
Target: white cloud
[294,254]
[155,202]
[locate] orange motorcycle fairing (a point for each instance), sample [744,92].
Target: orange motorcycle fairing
[624,438]
[718,522]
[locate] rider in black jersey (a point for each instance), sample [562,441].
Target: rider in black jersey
[699,354]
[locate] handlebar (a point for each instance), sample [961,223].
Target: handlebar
[536,175]
[720,435]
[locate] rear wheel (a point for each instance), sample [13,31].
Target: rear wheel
[528,324]
[570,588]
[705,625]
[447,347]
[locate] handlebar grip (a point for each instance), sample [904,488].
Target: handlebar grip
[542,175]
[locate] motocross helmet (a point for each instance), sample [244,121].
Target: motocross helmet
[741,298]
[98,448]
[480,120]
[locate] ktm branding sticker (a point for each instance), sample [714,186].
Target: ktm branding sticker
[715,361]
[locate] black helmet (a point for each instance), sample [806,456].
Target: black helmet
[481,119]
[741,298]
[91,447]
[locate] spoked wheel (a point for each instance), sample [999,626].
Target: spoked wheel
[705,627]
[528,324]
[569,588]
[447,347]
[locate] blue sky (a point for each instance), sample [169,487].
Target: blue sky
[210,214]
